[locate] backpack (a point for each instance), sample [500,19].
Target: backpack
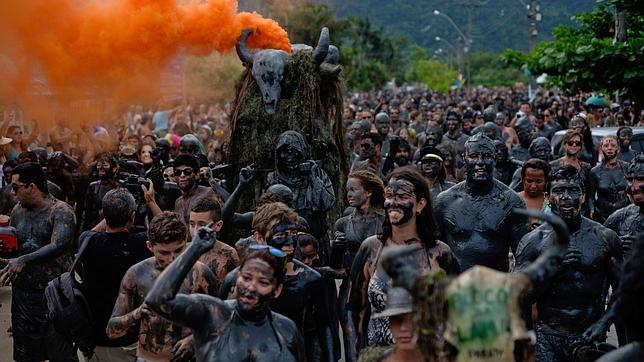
[69,311]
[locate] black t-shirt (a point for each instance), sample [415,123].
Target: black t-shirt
[104,263]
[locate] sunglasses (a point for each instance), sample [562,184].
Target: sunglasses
[573,143]
[185,171]
[273,251]
[366,146]
[16,186]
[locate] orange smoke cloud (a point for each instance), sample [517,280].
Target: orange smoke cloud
[111,49]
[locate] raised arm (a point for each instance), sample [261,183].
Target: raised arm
[195,310]
[228,214]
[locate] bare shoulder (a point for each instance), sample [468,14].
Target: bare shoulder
[441,248]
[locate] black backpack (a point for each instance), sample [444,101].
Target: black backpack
[68,309]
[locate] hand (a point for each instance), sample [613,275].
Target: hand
[246,175]
[205,237]
[572,256]
[340,241]
[627,242]
[184,349]
[148,194]
[10,272]
[307,167]
[596,332]
[141,311]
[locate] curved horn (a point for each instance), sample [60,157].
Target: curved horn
[322,49]
[242,49]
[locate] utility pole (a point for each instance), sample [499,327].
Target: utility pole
[534,15]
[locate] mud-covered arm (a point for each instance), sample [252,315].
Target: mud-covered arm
[323,188]
[339,243]
[322,318]
[127,310]
[228,214]
[62,238]
[196,311]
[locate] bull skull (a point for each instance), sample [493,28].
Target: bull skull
[268,66]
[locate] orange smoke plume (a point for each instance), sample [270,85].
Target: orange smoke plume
[111,49]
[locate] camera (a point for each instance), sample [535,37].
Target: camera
[133,184]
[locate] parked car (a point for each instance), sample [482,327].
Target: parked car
[637,142]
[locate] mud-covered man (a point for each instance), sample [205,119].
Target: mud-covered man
[475,216]
[570,311]
[45,228]
[159,340]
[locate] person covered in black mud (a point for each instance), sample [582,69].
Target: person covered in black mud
[607,183]
[313,193]
[45,228]
[242,329]
[431,166]
[628,222]
[303,289]
[408,220]
[570,311]
[107,169]
[477,313]
[475,216]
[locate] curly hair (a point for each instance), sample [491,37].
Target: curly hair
[425,223]
[372,183]
[166,228]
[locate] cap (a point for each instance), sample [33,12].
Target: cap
[398,302]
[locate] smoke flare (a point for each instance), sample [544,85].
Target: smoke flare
[65,51]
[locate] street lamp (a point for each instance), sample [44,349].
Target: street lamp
[468,41]
[438,38]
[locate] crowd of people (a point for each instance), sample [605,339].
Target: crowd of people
[144,213]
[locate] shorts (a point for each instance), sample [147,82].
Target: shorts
[34,338]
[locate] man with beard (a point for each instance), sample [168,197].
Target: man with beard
[525,134]
[402,155]
[539,149]
[475,216]
[570,310]
[313,193]
[244,329]
[431,166]
[185,174]
[543,130]
[504,168]
[454,136]
[383,125]
[45,229]
[275,224]
[107,169]
[628,222]
[159,340]
[624,135]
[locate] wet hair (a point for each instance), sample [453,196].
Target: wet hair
[567,173]
[425,224]
[118,206]
[269,213]
[371,182]
[277,264]
[536,164]
[186,160]
[27,156]
[376,138]
[207,204]
[32,173]
[306,239]
[166,228]
[109,158]
[609,137]
[10,163]
[620,129]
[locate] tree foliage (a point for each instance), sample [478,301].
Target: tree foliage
[588,58]
[434,74]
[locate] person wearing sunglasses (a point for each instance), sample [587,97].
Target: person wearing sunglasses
[370,153]
[185,169]
[233,330]
[276,225]
[45,227]
[572,144]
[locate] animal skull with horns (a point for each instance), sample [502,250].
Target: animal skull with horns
[268,64]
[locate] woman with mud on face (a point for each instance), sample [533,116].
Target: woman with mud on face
[408,220]
[366,195]
[607,183]
[587,153]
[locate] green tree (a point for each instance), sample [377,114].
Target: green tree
[591,57]
[433,73]
[489,70]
